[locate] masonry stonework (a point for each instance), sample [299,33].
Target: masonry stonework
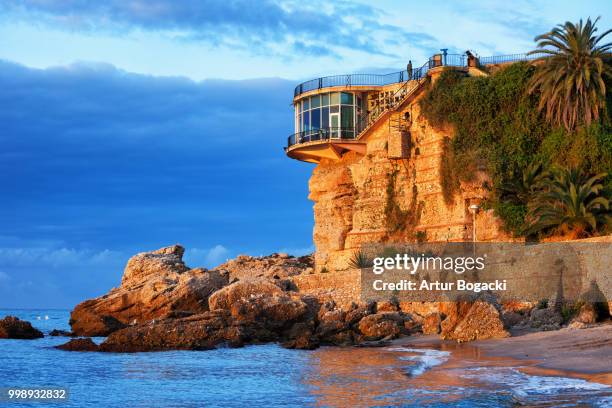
[361,199]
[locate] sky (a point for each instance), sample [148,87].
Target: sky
[128,125]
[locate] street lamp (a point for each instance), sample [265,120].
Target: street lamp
[474,209]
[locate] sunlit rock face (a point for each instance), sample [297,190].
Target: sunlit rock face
[158,285]
[377,198]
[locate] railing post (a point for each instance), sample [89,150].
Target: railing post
[320,83]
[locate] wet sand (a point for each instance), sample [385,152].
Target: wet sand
[583,353]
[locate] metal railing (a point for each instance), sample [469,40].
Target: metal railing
[328,133]
[503,59]
[450,60]
[411,81]
[419,76]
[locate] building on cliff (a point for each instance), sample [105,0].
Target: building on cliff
[378,175]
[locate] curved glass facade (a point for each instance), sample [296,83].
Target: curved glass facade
[328,115]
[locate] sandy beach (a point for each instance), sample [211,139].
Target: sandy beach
[584,353]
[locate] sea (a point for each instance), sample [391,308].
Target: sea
[271,376]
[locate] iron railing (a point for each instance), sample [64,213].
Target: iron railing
[503,59]
[419,76]
[411,81]
[314,135]
[451,60]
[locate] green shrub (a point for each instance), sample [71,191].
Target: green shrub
[360,260]
[498,129]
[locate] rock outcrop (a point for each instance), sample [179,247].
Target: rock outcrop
[155,285]
[158,285]
[13,328]
[163,305]
[473,320]
[81,344]
[278,266]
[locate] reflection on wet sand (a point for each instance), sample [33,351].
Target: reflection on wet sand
[376,376]
[438,373]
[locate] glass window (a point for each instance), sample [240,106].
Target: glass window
[346,117]
[300,125]
[334,109]
[315,101]
[347,98]
[325,117]
[325,100]
[335,98]
[306,121]
[315,119]
[305,104]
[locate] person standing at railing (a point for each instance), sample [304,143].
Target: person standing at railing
[409,69]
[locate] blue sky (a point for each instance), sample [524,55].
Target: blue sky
[127,125]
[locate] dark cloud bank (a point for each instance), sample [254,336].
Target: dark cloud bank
[97,163]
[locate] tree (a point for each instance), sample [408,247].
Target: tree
[572,73]
[521,188]
[571,201]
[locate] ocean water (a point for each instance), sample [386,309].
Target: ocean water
[270,376]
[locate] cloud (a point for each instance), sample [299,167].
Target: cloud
[298,251]
[48,258]
[208,258]
[98,164]
[314,28]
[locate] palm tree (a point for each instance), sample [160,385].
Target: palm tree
[571,78]
[522,187]
[571,202]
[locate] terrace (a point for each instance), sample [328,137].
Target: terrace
[333,113]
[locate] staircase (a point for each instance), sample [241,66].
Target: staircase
[408,89]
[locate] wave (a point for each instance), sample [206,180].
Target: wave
[425,359]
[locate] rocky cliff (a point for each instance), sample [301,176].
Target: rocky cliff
[162,304]
[392,193]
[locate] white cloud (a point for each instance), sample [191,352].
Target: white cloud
[55,257]
[298,251]
[208,257]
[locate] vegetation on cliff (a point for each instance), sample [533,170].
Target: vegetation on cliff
[507,125]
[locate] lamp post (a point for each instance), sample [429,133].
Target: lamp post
[474,209]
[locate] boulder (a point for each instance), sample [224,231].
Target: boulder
[159,262]
[358,312]
[301,337]
[514,319]
[155,285]
[587,314]
[82,344]
[224,298]
[545,319]
[388,306]
[431,324]
[91,324]
[13,328]
[60,333]
[381,325]
[197,332]
[272,311]
[482,321]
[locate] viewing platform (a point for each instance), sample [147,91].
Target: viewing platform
[334,113]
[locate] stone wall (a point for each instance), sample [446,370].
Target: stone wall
[376,198]
[591,264]
[343,287]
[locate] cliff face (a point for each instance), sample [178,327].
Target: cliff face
[392,193]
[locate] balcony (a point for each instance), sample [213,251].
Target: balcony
[358,102]
[330,142]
